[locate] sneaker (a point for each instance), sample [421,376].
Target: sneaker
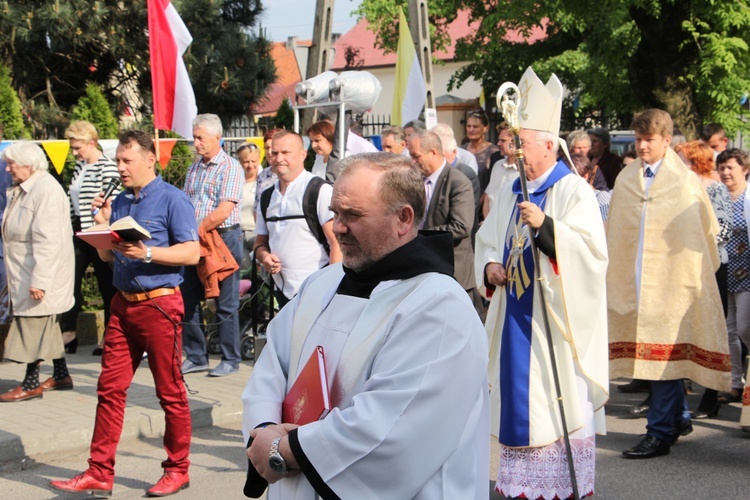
[169,484]
[190,367]
[225,368]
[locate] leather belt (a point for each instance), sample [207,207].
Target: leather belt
[141,296]
[222,230]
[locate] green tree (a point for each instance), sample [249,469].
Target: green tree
[230,68]
[54,48]
[690,57]
[10,108]
[284,115]
[93,107]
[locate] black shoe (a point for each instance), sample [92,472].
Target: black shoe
[72,346]
[97,351]
[700,413]
[638,411]
[635,385]
[684,428]
[649,447]
[734,396]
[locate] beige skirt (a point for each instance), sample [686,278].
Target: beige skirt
[33,338]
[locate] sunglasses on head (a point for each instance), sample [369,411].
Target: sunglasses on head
[248,145]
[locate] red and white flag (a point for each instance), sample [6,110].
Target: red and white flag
[174,100]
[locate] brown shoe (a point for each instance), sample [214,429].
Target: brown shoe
[18,394]
[64,384]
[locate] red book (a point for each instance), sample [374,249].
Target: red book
[309,399]
[103,240]
[104,237]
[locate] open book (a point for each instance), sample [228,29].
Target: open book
[309,398]
[103,236]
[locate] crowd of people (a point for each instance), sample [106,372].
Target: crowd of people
[401,266]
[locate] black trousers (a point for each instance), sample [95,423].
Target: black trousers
[87,255]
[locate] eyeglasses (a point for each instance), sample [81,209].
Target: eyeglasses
[248,145]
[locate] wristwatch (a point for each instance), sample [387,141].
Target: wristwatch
[147,258]
[275,460]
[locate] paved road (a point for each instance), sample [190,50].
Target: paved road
[217,470]
[713,462]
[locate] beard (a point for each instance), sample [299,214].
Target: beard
[358,255]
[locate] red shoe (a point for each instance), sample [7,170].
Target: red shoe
[169,484]
[18,394]
[64,384]
[83,483]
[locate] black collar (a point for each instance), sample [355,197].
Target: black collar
[429,252]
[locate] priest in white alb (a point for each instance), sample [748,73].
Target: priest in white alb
[406,358]
[563,216]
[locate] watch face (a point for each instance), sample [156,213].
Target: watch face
[277,464]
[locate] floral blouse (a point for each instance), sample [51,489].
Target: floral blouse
[739,253]
[722,204]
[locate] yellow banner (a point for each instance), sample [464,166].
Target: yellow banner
[258,141]
[57,152]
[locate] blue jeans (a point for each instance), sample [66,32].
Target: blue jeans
[668,408]
[227,306]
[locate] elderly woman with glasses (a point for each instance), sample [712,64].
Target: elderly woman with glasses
[38,244]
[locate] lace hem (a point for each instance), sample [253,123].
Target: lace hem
[542,473]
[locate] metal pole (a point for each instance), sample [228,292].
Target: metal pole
[515,128]
[419,26]
[320,50]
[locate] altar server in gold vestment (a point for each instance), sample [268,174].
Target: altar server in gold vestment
[666,320]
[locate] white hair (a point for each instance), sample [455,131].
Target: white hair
[447,137]
[27,154]
[210,123]
[548,136]
[577,136]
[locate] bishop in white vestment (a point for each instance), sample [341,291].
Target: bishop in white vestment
[563,217]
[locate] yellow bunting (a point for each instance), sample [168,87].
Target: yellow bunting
[57,152]
[165,151]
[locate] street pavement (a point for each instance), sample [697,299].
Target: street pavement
[62,421]
[48,439]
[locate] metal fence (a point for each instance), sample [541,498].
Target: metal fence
[373,124]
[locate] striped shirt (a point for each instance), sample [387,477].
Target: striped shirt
[604,198]
[208,184]
[88,181]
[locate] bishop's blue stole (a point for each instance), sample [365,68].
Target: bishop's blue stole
[515,347]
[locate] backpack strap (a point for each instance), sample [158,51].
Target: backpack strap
[265,200]
[309,210]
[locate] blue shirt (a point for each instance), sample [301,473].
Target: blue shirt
[166,212]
